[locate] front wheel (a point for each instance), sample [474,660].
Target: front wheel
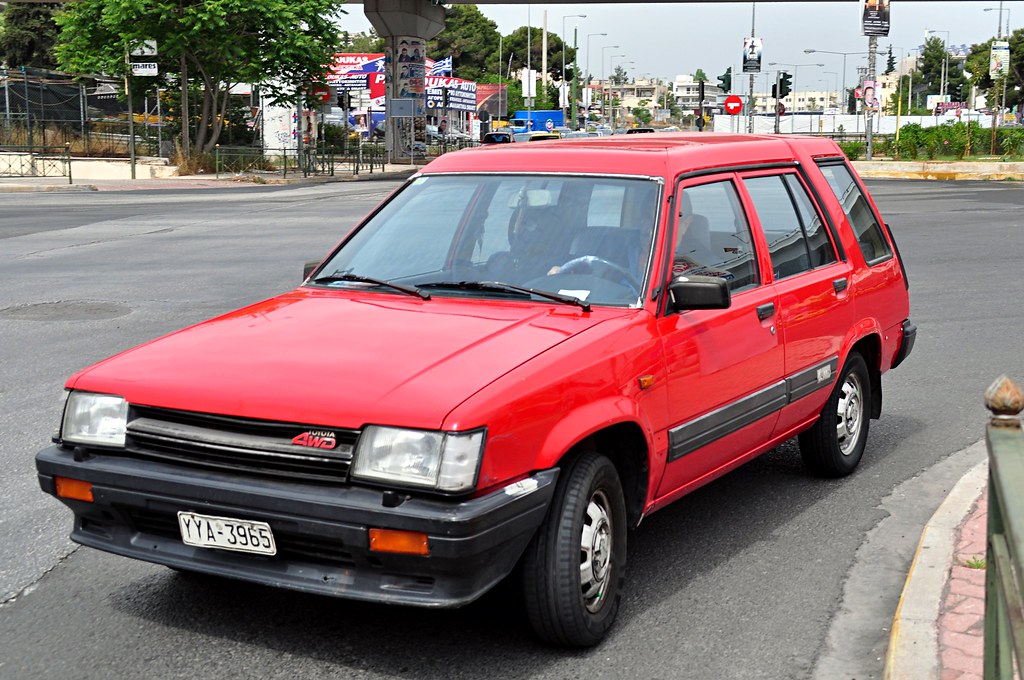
[574,568]
[834,445]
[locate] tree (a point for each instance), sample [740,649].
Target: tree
[471,39]
[515,46]
[977,64]
[619,76]
[641,113]
[281,45]
[27,35]
[890,63]
[362,43]
[700,77]
[932,57]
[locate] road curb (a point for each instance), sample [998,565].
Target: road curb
[20,188]
[913,652]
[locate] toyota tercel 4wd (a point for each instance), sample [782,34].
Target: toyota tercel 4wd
[510,362]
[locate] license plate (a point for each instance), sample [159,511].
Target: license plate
[226,533]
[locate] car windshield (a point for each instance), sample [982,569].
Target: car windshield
[585,238]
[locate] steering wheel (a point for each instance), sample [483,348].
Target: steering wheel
[598,266]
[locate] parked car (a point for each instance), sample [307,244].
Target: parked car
[497,137]
[638,130]
[518,356]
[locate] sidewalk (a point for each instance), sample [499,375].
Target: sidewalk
[208,181]
[938,629]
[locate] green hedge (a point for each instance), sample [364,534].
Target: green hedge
[949,140]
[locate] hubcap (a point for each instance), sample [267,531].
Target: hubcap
[850,414]
[596,551]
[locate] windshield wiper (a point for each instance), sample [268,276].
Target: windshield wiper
[501,286]
[408,290]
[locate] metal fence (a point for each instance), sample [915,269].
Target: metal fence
[55,162]
[1004,606]
[355,159]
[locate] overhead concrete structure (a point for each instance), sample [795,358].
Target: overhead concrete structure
[405,26]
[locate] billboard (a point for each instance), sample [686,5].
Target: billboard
[461,94]
[999,59]
[752,55]
[876,17]
[493,99]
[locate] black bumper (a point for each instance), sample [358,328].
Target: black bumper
[906,343]
[321,531]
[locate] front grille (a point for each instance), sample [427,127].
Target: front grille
[239,444]
[289,545]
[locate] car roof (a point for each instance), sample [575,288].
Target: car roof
[649,155]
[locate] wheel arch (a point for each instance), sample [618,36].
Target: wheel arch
[870,347]
[626,445]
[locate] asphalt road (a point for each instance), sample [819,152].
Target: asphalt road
[766,573]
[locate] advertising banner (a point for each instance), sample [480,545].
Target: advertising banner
[999,59]
[876,17]
[461,94]
[870,97]
[752,55]
[493,99]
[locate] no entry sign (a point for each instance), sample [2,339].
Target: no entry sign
[733,104]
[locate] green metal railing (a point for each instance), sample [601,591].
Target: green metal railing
[355,159]
[1004,606]
[36,162]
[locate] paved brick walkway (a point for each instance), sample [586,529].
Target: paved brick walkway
[961,624]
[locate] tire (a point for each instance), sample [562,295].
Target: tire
[574,568]
[834,445]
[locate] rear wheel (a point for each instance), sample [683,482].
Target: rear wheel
[574,569]
[834,445]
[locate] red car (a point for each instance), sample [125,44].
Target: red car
[517,356]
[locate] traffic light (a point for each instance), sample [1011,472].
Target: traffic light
[725,80]
[775,91]
[785,84]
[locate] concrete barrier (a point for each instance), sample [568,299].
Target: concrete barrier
[952,170]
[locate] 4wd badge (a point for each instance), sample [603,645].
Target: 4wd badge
[316,439]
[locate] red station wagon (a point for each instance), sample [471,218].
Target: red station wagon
[516,357]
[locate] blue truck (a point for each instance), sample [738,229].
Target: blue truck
[537,120]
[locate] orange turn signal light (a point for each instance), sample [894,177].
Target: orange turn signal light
[74,488]
[394,541]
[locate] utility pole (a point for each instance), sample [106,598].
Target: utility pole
[750,93]
[872,46]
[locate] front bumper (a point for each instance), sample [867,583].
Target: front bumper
[321,530]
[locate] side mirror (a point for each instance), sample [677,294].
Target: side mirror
[309,268]
[699,292]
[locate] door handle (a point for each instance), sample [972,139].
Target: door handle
[765,310]
[840,285]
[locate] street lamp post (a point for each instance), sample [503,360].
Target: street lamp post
[586,100]
[605,47]
[844,97]
[610,93]
[835,82]
[999,25]
[796,68]
[561,86]
[609,81]
[945,60]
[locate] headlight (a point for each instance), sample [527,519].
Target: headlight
[94,419]
[433,460]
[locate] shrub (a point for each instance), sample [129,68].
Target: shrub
[852,150]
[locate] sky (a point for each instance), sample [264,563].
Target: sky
[667,39]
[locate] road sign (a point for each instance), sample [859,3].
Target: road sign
[733,104]
[780,108]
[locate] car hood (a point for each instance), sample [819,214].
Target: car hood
[342,359]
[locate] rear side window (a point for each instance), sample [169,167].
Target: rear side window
[797,241]
[869,233]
